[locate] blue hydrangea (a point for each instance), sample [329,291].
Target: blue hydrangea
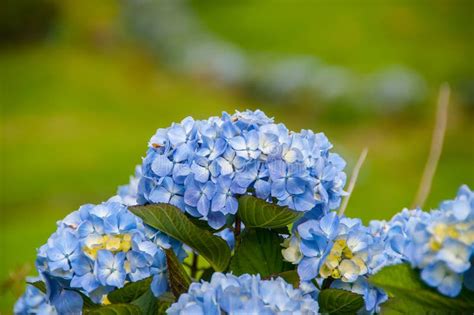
[394,234]
[247,294]
[440,243]
[443,246]
[99,248]
[342,249]
[203,166]
[33,301]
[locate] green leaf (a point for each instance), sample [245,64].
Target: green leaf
[405,284]
[173,222]
[207,274]
[290,276]
[115,309]
[256,212]
[178,278]
[130,292]
[335,301]
[39,285]
[396,306]
[259,253]
[150,305]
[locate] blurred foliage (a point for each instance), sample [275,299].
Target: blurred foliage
[26,20]
[78,108]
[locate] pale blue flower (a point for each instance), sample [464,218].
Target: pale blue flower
[64,249]
[33,301]
[168,192]
[291,186]
[247,294]
[64,301]
[246,146]
[438,275]
[198,196]
[110,268]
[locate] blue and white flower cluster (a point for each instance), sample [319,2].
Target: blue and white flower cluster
[202,166]
[342,249]
[439,242]
[443,246]
[395,234]
[247,294]
[33,301]
[99,248]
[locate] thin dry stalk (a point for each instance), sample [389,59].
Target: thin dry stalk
[436,147]
[353,180]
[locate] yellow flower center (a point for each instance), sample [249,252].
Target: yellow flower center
[339,252]
[441,231]
[114,243]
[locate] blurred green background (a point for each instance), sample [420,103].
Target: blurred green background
[80,96]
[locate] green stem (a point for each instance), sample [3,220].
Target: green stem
[237,231]
[194,266]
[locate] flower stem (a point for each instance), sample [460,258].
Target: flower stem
[194,265]
[237,231]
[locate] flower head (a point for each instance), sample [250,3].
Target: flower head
[202,166]
[340,248]
[247,294]
[443,245]
[33,301]
[102,247]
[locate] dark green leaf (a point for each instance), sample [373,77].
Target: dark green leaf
[207,274]
[178,278]
[147,303]
[150,305]
[130,292]
[335,301]
[173,222]
[115,309]
[405,284]
[259,253]
[290,276]
[396,306]
[39,285]
[256,212]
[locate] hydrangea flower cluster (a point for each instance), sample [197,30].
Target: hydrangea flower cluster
[394,234]
[33,301]
[99,248]
[247,294]
[202,166]
[341,248]
[443,246]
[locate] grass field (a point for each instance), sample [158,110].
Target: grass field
[77,115]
